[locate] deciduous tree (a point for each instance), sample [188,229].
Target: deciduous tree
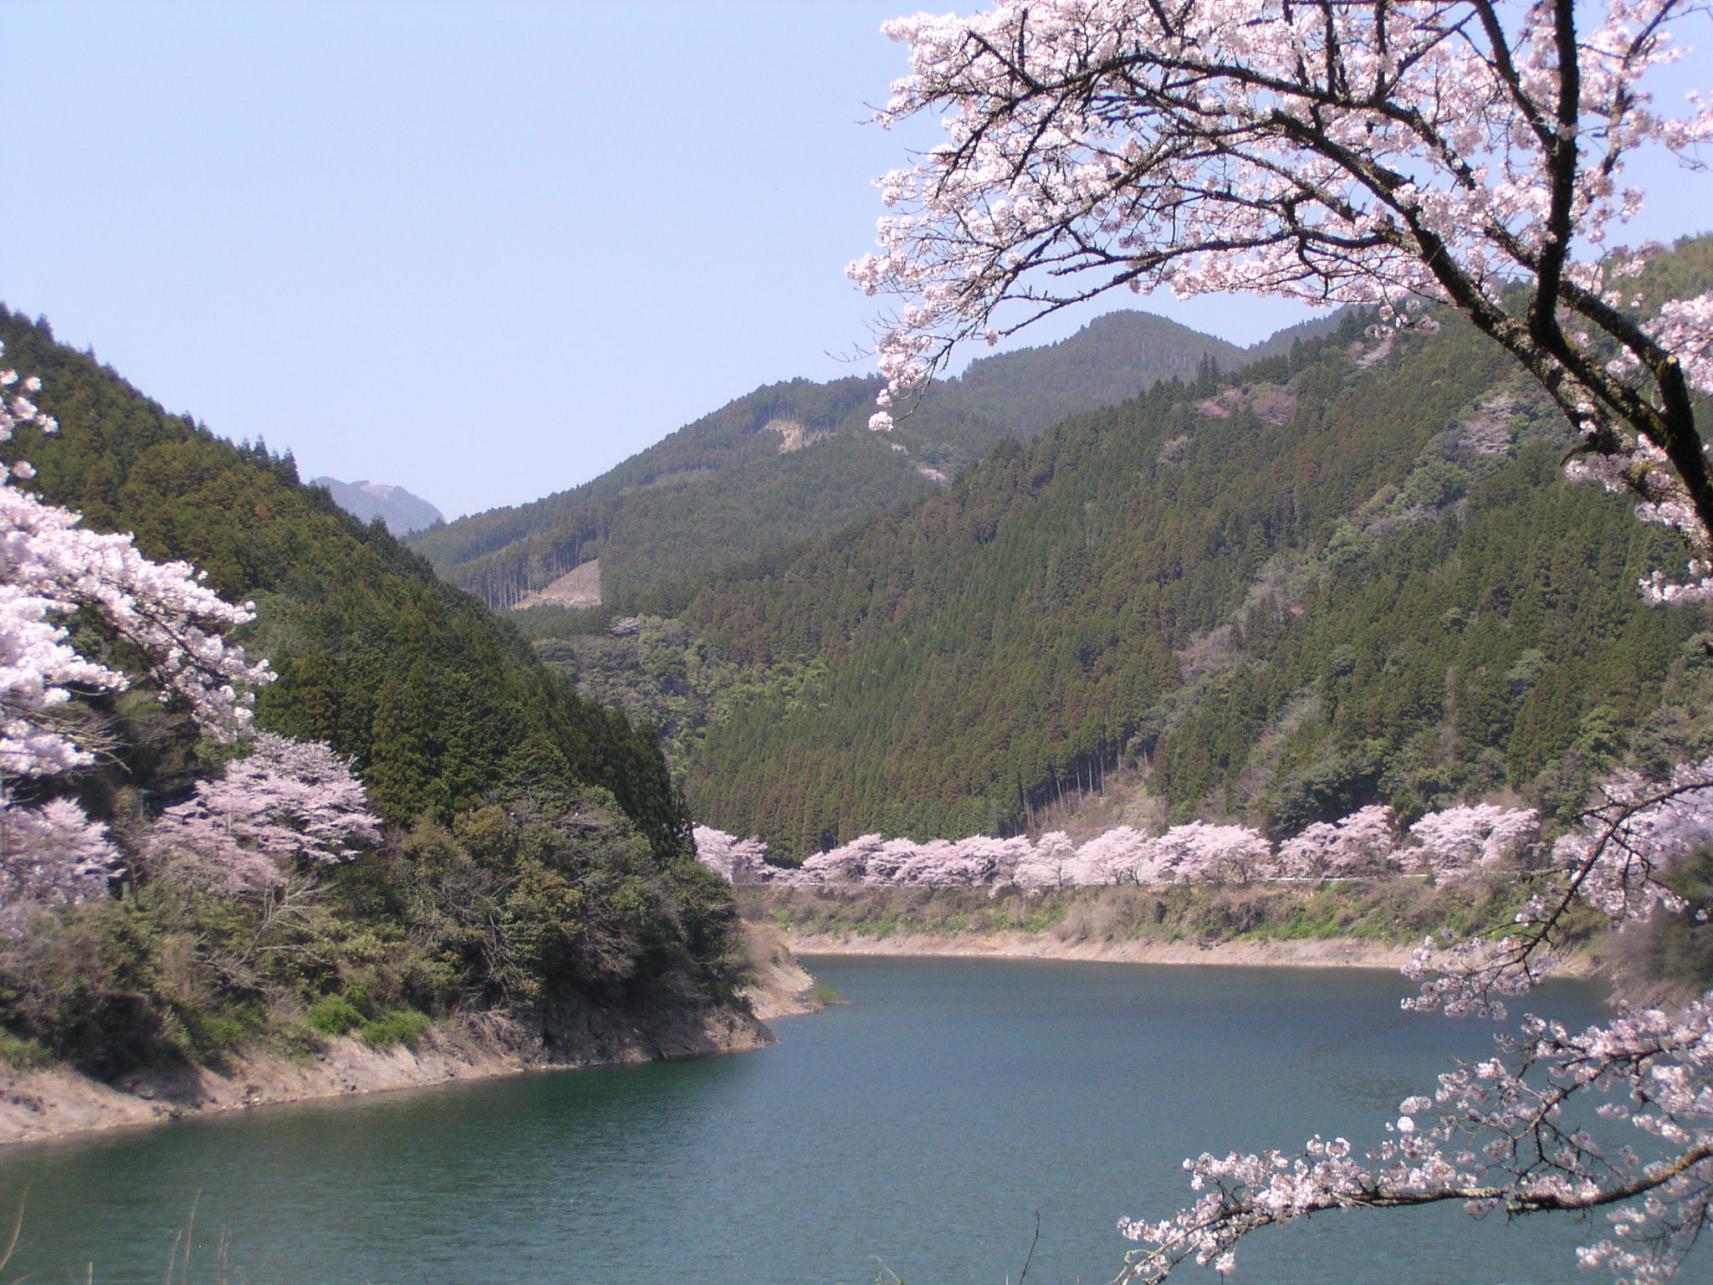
[287,805]
[1374,152]
[168,627]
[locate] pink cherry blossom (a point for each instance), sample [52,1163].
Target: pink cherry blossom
[741,861]
[50,855]
[287,804]
[1359,844]
[1205,853]
[1497,1134]
[1460,152]
[1457,841]
[50,568]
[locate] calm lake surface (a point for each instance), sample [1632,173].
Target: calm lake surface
[921,1127]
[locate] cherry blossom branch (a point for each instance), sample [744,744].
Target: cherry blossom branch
[1334,152]
[171,623]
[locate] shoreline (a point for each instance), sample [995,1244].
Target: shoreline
[1330,952]
[55,1103]
[782,986]
[51,1103]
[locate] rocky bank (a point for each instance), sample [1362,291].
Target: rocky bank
[55,1101]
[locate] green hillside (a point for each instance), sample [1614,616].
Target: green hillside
[792,461]
[1354,573]
[437,699]
[538,852]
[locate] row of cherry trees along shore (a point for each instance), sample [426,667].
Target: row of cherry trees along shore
[1452,844]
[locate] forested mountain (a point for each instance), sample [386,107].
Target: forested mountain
[537,852]
[1355,572]
[436,699]
[795,460]
[399,510]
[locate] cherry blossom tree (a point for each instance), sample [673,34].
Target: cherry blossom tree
[1051,863]
[1459,841]
[1504,1133]
[50,855]
[1464,152]
[1207,853]
[52,568]
[288,805]
[939,863]
[1392,153]
[888,862]
[925,862]
[1349,848]
[847,863]
[1653,826]
[740,861]
[1115,856]
[1000,858]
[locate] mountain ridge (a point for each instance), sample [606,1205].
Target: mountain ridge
[1338,576]
[1269,605]
[523,852]
[742,486]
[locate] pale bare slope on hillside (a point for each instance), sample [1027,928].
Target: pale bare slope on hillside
[578,587]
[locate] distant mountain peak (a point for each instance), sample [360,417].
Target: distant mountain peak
[402,512]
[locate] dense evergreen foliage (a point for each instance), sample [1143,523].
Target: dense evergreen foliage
[437,700]
[538,849]
[795,460]
[1356,573]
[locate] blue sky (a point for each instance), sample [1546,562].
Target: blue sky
[482,250]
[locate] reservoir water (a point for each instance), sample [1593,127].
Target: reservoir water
[918,1130]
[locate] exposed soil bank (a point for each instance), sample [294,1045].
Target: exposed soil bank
[1319,953]
[782,986]
[51,1102]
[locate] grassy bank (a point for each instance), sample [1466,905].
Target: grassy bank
[1388,915]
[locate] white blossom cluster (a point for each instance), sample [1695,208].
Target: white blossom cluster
[1465,840]
[1443,151]
[286,805]
[1450,844]
[1497,1134]
[50,568]
[1500,1134]
[52,855]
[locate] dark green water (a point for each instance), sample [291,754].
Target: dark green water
[922,1127]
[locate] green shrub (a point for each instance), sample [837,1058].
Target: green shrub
[395,1026]
[210,1032]
[335,1015]
[20,1054]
